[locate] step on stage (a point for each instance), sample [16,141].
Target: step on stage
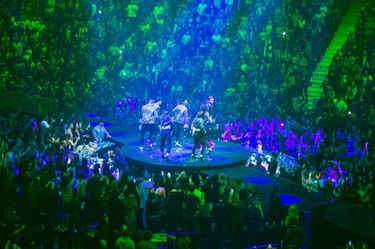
[224,155]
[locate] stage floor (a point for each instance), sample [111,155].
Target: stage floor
[224,155]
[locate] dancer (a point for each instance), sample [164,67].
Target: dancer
[180,116]
[209,120]
[199,133]
[166,128]
[149,118]
[157,106]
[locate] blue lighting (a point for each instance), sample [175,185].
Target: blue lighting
[258,180]
[287,199]
[91,115]
[107,124]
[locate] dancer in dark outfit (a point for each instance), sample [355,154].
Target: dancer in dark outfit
[166,134]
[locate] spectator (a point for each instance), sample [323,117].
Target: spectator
[191,206]
[125,242]
[174,209]
[317,222]
[100,133]
[294,235]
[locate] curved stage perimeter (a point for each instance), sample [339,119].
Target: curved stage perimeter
[224,155]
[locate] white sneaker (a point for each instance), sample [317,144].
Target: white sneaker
[178,144]
[209,150]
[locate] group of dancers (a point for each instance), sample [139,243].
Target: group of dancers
[173,123]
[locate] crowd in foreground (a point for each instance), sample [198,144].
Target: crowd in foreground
[55,179]
[48,184]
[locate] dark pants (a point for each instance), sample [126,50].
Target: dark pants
[178,131]
[191,223]
[166,136]
[150,128]
[199,138]
[209,133]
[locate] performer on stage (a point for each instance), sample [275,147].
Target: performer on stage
[209,120]
[199,133]
[149,118]
[166,128]
[157,106]
[180,116]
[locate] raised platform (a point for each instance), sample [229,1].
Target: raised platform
[224,155]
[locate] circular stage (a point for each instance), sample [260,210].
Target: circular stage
[224,155]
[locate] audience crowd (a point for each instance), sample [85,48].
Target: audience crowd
[54,178]
[162,49]
[109,57]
